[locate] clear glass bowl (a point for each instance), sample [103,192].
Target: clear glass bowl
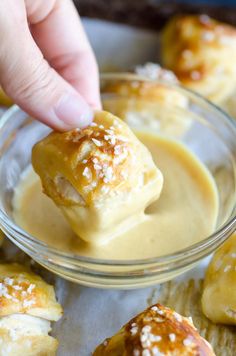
[208,132]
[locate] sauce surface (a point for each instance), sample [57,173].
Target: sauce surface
[185,213]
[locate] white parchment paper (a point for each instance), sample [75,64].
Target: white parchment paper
[91,315]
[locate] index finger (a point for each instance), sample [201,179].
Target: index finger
[57,29]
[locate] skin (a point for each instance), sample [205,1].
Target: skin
[46,63]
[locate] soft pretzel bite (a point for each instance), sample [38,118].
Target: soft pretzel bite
[149,105]
[201,52]
[156,331]
[102,177]
[28,305]
[219,285]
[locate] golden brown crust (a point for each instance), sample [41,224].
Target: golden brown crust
[151,91]
[100,176]
[201,52]
[97,157]
[21,291]
[156,331]
[219,293]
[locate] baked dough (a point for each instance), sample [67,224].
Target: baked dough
[22,291]
[102,177]
[25,335]
[156,331]
[149,106]
[219,293]
[28,304]
[201,52]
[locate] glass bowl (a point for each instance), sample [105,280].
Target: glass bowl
[207,131]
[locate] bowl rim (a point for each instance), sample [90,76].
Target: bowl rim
[195,251]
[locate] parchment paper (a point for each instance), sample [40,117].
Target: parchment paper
[91,315]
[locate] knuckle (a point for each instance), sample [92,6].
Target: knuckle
[32,85]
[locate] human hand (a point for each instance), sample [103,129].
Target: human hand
[46,63]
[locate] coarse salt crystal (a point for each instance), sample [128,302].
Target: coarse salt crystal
[109,131]
[8,281]
[155,338]
[108,173]
[143,338]
[172,337]
[146,328]
[117,150]
[113,140]
[28,303]
[146,343]
[190,319]
[134,330]
[97,167]
[97,142]
[187,342]
[154,308]
[87,173]
[158,320]
[177,316]
[156,352]
[30,289]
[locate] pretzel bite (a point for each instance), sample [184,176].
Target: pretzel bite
[102,177]
[28,305]
[219,294]
[201,52]
[149,105]
[156,331]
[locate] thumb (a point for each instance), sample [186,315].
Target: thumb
[37,88]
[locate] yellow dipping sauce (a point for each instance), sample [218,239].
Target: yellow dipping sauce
[185,213]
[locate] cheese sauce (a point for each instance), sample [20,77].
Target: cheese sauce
[185,213]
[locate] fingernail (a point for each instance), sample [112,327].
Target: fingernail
[73,111]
